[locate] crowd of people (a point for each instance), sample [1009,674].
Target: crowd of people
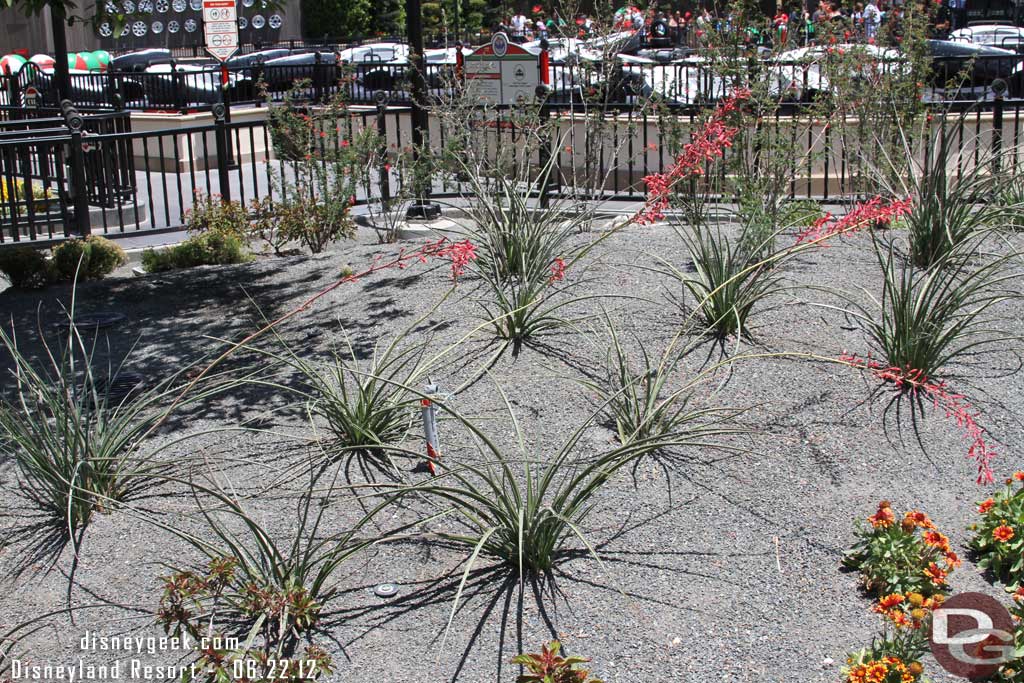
[860,21]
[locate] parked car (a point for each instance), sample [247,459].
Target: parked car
[1001,35]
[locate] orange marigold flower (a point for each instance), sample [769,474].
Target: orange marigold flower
[952,559]
[1019,475]
[1018,595]
[916,668]
[882,519]
[919,519]
[899,619]
[876,673]
[936,540]
[935,574]
[915,599]
[1002,533]
[890,601]
[985,505]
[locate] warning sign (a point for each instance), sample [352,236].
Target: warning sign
[503,73]
[220,25]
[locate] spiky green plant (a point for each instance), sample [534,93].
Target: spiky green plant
[76,443]
[925,319]
[732,275]
[639,399]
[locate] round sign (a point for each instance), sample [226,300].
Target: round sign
[129,6]
[248,3]
[275,21]
[157,27]
[971,635]
[139,29]
[258,22]
[146,6]
[110,7]
[179,5]
[196,5]
[105,30]
[243,23]
[173,26]
[499,44]
[162,6]
[190,25]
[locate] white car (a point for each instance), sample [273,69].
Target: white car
[1005,36]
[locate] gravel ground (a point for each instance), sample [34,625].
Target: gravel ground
[717,564]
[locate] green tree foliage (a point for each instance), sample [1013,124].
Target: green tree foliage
[338,18]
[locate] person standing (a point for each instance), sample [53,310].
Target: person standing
[872,19]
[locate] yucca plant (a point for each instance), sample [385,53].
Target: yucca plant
[925,319]
[362,403]
[523,250]
[731,277]
[638,398]
[955,199]
[527,509]
[267,592]
[76,439]
[1012,199]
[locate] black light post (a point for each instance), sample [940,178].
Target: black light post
[62,75]
[414,30]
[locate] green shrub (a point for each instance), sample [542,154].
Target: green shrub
[897,557]
[206,249]
[25,267]
[210,213]
[999,537]
[99,257]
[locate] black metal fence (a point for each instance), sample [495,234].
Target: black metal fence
[175,87]
[146,181]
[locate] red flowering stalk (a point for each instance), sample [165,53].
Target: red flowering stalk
[557,270]
[915,382]
[707,143]
[863,215]
[458,253]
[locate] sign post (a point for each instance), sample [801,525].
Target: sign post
[503,73]
[220,26]
[31,97]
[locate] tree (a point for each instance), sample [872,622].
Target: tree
[337,18]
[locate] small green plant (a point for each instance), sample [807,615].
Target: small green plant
[901,556]
[265,593]
[550,667]
[211,213]
[954,202]
[204,249]
[314,221]
[925,319]
[25,267]
[75,439]
[365,406]
[98,257]
[639,401]
[999,537]
[732,276]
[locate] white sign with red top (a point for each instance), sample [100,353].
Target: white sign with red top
[503,73]
[220,25]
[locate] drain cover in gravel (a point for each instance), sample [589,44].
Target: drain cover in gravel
[119,387]
[95,321]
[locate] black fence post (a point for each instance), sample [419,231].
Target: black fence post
[318,91]
[382,132]
[79,195]
[223,159]
[999,87]
[179,88]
